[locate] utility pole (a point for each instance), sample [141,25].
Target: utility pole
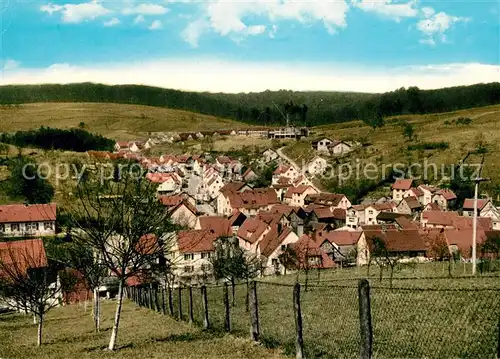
[474,223]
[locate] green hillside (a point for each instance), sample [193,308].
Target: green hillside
[268,107]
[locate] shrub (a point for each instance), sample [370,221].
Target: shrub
[429,146]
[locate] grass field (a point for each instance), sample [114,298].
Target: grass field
[431,318]
[388,146]
[143,334]
[116,121]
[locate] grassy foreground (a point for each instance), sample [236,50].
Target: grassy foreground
[143,334]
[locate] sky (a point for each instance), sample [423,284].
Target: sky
[252,45]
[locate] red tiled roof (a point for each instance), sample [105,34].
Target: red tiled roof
[223,160]
[232,187]
[269,217]
[171,201]
[272,240]
[417,191]
[469,204]
[462,239]
[340,238]
[332,199]
[284,180]
[187,204]
[399,240]
[405,223]
[220,225]
[339,213]
[252,229]
[281,169]
[447,194]
[432,207]
[402,184]
[440,218]
[431,189]
[254,198]
[412,202]
[162,177]
[306,247]
[19,256]
[198,240]
[13,213]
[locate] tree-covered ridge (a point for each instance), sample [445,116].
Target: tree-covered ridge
[268,107]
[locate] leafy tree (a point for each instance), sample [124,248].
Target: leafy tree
[288,258]
[81,124]
[25,182]
[408,131]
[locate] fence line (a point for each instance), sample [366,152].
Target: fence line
[362,321]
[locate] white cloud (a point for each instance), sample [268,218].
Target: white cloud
[191,34]
[428,41]
[216,75]
[155,25]
[428,11]
[388,8]
[113,22]
[228,18]
[10,64]
[273,31]
[76,13]
[145,9]
[138,19]
[435,26]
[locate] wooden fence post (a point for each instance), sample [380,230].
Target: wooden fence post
[141,297]
[150,296]
[299,342]
[170,302]
[227,322]
[204,299]
[190,309]
[498,344]
[179,302]
[365,319]
[254,312]
[163,300]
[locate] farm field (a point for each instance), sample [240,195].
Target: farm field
[143,334]
[116,121]
[432,318]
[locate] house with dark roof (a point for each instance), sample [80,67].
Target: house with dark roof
[35,220]
[409,205]
[332,200]
[341,246]
[445,199]
[295,196]
[310,255]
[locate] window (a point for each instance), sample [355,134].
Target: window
[188,269]
[32,226]
[370,212]
[206,255]
[275,262]
[48,226]
[206,267]
[2,227]
[188,257]
[14,227]
[283,247]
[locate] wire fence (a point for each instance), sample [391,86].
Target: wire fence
[434,321]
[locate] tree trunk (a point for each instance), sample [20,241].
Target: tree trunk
[247,299]
[97,306]
[40,328]
[233,290]
[114,333]
[381,273]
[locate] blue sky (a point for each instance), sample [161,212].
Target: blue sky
[252,45]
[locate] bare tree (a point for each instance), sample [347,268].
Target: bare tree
[384,257]
[27,282]
[123,222]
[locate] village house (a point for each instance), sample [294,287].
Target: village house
[225,192]
[317,166]
[319,214]
[249,175]
[184,214]
[332,200]
[191,255]
[310,255]
[414,192]
[405,244]
[445,199]
[341,246]
[295,196]
[296,216]
[428,192]
[339,148]
[221,226]
[485,208]
[251,233]
[285,171]
[35,220]
[168,183]
[409,205]
[400,187]
[236,221]
[322,145]
[211,186]
[272,245]
[269,155]
[452,220]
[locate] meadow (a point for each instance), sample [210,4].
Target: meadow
[425,313]
[69,333]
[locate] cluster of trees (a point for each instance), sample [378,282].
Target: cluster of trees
[74,139]
[26,183]
[268,107]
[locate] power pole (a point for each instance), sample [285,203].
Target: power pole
[474,223]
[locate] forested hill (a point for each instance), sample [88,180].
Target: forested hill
[268,107]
